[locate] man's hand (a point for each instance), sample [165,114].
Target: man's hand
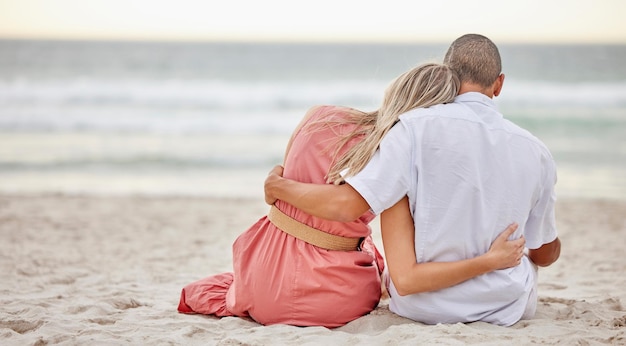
[275,175]
[327,201]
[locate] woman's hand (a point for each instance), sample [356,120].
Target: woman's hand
[506,253]
[275,174]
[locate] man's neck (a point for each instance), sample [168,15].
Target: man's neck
[470,87]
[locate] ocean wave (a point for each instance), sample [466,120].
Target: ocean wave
[175,94]
[271,107]
[144,163]
[608,94]
[221,94]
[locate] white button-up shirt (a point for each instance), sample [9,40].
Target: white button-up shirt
[468,173]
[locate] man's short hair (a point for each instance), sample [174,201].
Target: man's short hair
[475,59]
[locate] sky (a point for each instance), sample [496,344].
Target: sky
[527,21]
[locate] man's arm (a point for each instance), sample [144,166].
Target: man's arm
[543,222]
[546,254]
[331,202]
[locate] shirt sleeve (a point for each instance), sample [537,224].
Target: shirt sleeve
[541,225]
[385,179]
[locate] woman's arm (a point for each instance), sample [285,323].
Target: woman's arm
[409,277]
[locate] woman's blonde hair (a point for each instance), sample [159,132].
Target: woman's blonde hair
[423,86]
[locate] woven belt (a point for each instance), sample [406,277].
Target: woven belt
[311,235]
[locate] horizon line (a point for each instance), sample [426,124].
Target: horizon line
[295,41]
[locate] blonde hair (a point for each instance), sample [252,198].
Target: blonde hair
[423,86]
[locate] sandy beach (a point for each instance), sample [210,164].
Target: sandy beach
[94,270]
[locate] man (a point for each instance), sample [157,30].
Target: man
[468,173]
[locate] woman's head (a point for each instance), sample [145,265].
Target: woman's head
[423,86]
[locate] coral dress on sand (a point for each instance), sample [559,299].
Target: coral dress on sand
[281,279]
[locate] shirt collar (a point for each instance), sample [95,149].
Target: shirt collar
[473,96]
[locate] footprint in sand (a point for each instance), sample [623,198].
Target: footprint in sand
[125,303]
[21,326]
[552,286]
[619,321]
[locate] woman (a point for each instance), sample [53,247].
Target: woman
[279,275]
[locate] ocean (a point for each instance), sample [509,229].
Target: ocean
[211,119]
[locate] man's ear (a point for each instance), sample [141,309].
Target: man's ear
[497,85]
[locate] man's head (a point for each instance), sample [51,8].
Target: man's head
[476,60]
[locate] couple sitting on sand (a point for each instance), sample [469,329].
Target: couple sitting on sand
[446,173]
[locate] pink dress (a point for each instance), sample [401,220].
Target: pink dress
[281,279]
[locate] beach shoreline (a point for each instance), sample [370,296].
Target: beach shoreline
[95,269]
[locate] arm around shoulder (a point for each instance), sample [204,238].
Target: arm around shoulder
[332,202]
